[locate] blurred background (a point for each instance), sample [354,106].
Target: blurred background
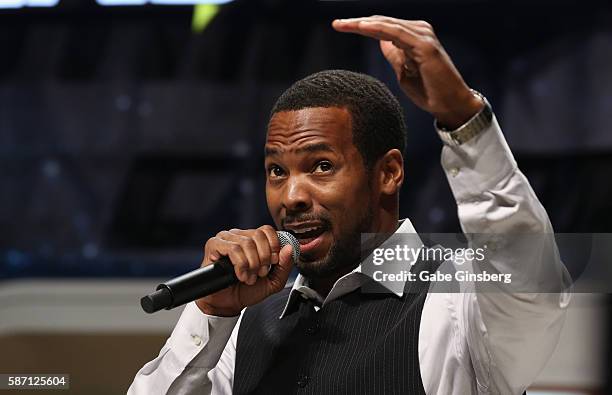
[131,131]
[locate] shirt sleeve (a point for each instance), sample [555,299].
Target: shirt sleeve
[198,357]
[509,335]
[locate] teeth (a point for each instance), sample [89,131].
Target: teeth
[300,231]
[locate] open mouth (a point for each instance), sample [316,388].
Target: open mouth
[310,236]
[307,235]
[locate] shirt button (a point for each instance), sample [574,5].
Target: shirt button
[303,381]
[312,329]
[454,171]
[197,340]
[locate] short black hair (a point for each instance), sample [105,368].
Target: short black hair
[376,115]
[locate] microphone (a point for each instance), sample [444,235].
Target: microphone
[203,281]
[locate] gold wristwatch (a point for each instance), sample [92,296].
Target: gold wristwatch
[471,128]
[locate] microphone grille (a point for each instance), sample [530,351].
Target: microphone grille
[287,238]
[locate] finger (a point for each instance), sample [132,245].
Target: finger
[273,241]
[401,37]
[219,247]
[264,249]
[210,256]
[240,261]
[274,245]
[407,22]
[252,254]
[249,249]
[417,27]
[246,240]
[395,57]
[410,69]
[420,27]
[353,23]
[279,276]
[395,28]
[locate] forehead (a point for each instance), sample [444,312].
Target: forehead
[329,124]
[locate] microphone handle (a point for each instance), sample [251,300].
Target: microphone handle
[203,281]
[191,286]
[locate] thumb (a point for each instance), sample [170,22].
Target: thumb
[279,276]
[387,48]
[394,56]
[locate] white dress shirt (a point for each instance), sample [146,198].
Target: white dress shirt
[469,343]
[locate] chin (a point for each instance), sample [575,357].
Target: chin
[338,259]
[316,269]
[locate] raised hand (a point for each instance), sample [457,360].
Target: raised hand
[423,69]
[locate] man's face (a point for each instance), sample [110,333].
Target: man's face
[317,186]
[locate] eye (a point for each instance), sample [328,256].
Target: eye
[275,171]
[323,166]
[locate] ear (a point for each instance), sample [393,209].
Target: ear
[390,172]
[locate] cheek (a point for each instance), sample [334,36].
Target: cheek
[352,201]
[273,206]
[354,207]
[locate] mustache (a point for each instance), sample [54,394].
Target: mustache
[306,217]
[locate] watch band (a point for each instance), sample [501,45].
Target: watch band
[471,128]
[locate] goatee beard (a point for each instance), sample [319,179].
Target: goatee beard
[343,256]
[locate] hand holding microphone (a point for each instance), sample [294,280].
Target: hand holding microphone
[240,268]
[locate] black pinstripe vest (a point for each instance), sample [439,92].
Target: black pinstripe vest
[360,343]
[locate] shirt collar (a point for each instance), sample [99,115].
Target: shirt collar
[350,281]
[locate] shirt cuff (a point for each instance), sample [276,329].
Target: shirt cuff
[195,332]
[478,165]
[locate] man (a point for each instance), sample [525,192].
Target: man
[334,170]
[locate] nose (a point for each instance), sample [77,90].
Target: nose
[296,196]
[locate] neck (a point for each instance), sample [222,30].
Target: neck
[387,223]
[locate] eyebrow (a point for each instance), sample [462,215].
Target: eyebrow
[311,148]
